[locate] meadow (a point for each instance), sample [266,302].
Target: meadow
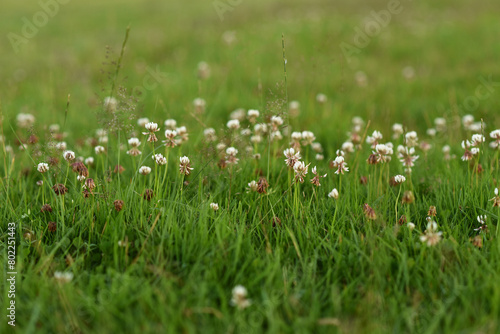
[250,166]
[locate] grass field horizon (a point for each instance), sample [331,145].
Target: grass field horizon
[320,167]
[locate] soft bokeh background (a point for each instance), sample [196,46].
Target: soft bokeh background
[449,44]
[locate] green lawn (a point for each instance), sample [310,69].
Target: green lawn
[309,263]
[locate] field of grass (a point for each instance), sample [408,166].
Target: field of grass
[133,253]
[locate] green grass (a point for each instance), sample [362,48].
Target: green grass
[325,268]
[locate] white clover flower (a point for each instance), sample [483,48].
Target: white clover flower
[431,132]
[61,145]
[43,167]
[291,156]
[276,135]
[397,130]
[308,137]
[99,149]
[142,121]
[246,132]
[144,170]
[63,277]
[239,297]
[89,161]
[253,186]
[151,127]
[53,128]
[25,120]
[110,103]
[252,114]
[399,178]
[319,157]
[185,165]
[476,127]
[321,98]
[294,108]
[467,121]
[220,147]
[411,226]
[340,164]
[231,155]
[209,134]
[317,147]
[199,105]
[203,70]
[477,139]
[440,124]
[276,121]
[134,142]
[238,114]
[300,169]
[171,124]
[411,139]
[374,138]
[159,159]
[233,124]
[260,128]
[69,155]
[214,206]
[256,139]
[431,235]
[81,178]
[334,194]
[296,136]
[348,147]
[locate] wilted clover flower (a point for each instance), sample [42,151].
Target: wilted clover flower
[43,167]
[185,165]
[239,297]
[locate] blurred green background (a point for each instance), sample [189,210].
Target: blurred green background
[448,44]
